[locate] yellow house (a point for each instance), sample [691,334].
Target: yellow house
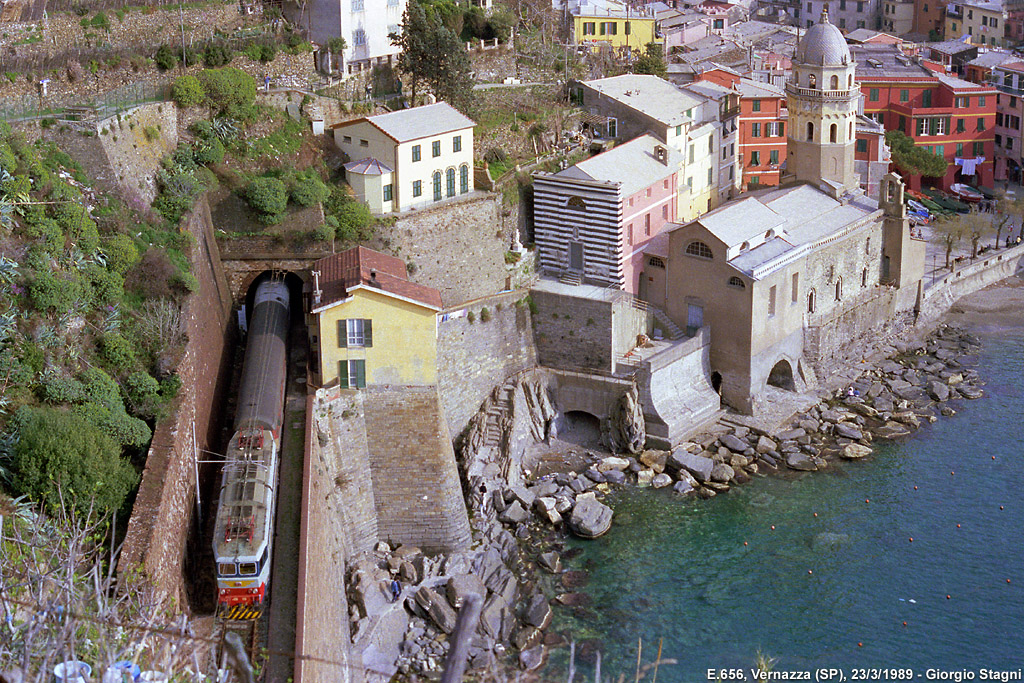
[369,325]
[621,28]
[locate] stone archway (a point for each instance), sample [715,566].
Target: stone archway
[781,376]
[581,428]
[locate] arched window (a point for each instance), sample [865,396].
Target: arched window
[834,83]
[736,283]
[839,289]
[833,133]
[864,278]
[810,131]
[867,246]
[849,81]
[769,235]
[577,203]
[851,131]
[812,81]
[437,186]
[450,177]
[810,301]
[699,249]
[656,262]
[464,179]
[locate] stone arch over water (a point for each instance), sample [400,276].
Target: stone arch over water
[781,376]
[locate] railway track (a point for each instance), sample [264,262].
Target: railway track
[249,624]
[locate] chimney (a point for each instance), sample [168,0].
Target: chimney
[373,279]
[661,154]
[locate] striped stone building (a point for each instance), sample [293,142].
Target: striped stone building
[593,220]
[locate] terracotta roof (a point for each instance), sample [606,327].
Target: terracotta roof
[361,266]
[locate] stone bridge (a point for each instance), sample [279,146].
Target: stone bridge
[245,260]
[588,392]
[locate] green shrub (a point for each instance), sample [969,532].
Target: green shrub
[49,232]
[485,314]
[79,226]
[151,133]
[306,188]
[101,21]
[210,151]
[327,231]
[8,159]
[56,292]
[107,285]
[355,222]
[217,54]
[268,197]
[100,388]
[471,317]
[229,90]
[495,155]
[144,393]
[187,91]
[58,389]
[166,58]
[121,253]
[117,351]
[61,456]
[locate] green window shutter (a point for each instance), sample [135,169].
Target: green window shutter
[359,372]
[367,333]
[342,335]
[343,374]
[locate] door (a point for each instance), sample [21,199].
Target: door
[576,257]
[694,318]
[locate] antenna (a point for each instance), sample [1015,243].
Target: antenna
[316,287]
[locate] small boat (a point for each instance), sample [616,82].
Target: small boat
[918,212]
[966,193]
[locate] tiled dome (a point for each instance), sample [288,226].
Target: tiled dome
[823,45]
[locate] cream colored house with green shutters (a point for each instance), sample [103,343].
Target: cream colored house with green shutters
[408,159]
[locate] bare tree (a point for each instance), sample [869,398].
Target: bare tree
[1006,209]
[949,231]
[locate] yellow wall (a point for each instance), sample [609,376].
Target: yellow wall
[404,347]
[641,31]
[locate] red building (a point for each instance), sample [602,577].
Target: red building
[762,127]
[928,17]
[948,116]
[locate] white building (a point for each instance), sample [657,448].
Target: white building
[408,158]
[364,24]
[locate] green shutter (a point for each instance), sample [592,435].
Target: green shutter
[359,370]
[342,335]
[367,333]
[949,120]
[343,374]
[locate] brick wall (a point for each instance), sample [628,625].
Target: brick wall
[321,627]
[162,513]
[473,358]
[416,488]
[456,247]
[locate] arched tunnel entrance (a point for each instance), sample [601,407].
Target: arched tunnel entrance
[781,376]
[199,566]
[580,428]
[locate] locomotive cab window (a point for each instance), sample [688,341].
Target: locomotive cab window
[226,568]
[248,569]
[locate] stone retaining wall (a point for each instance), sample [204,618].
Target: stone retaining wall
[164,506]
[474,357]
[998,265]
[321,626]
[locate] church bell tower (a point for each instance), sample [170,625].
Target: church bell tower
[822,98]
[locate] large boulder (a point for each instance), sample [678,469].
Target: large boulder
[654,460]
[661,480]
[722,472]
[765,445]
[538,612]
[854,451]
[734,443]
[514,514]
[627,431]
[938,391]
[699,466]
[458,587]
[547,509]
[849,431]
[791,434]
[590,518]
[532,659]
[612,463]
[437,608]
[800,461]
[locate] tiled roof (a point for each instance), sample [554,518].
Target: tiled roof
[823,45]
[361,266]
[632,164]
[648,95]
[751,88]
[368,166]
[417,122]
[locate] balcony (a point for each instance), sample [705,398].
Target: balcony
[826,95]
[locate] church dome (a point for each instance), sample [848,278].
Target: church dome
[823,45]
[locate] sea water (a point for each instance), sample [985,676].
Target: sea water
[818,570]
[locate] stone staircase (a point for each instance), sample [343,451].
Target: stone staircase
[496,415]
[670,328]
[570,278]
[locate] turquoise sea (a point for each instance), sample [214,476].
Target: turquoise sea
[716,584]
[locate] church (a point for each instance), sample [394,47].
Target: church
[785,277]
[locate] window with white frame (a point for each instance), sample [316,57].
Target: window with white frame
[355,333]
[359,37]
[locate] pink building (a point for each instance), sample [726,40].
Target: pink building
[593,220]
[1009,80]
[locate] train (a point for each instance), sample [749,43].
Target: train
[244,525]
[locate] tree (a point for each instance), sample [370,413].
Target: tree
[1006,209]
[948,231]
[413,40]
[913,159]
[230,90]
[59,453]
[651,62]
[976,227]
